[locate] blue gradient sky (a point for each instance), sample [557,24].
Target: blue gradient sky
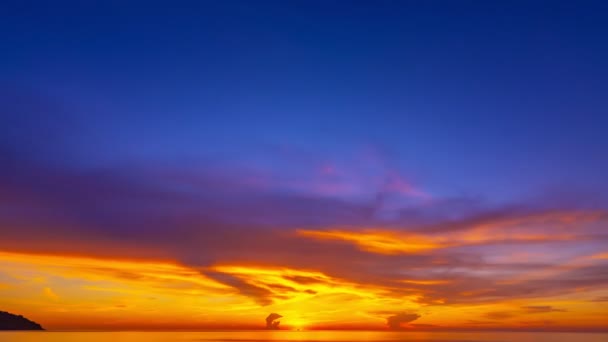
[491,100]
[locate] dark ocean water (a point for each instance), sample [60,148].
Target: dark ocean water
[298,336]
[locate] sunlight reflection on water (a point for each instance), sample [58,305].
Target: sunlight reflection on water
[295,336]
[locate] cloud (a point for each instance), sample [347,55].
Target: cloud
[543,227]
[530,309]
[50,294]
[261,295]
[477,322]
[499,315]
[383,242]
[304,279]
[601,256]
[271,321]
[541,309]
[600,299]
[397,321]
[272,285]
[161,275]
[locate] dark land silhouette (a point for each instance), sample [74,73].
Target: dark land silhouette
[271,321]
[9,321]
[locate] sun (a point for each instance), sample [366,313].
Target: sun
[298,324]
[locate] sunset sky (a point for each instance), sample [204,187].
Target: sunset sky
[420,165]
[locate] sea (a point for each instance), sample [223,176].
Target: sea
[299,336]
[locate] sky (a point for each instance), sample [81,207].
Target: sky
[417,165]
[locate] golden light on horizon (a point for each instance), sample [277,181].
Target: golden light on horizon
[83,291]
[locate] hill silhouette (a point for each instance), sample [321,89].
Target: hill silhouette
[9,321]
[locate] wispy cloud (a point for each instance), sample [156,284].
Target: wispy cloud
[541,309]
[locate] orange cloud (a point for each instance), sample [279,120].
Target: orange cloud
[542,227]
[48,292]
[383,242]
[601,256]
[331,278]
[425,282]
[145,294]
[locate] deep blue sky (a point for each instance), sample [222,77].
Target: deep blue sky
[501,102]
